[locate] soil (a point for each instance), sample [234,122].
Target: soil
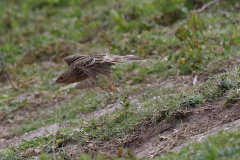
[30,135]
[9,139]
[170,134]
[7,125]
[198,122]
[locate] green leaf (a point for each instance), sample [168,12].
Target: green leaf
[115,16]
[169,58]
[78,23]
[182,34]
[195,16]
[227,47]
[235,40]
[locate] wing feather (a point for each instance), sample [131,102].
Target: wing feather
[93,66]
[70,59]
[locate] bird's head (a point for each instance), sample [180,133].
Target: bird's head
[64,78]
[70,76]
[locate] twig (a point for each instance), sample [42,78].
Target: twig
[8,74]
[205,6]
[194,11]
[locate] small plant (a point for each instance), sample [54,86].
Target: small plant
[225,85]
[192,101]
[125,103]
[191,56]
[232,97]
[118,19]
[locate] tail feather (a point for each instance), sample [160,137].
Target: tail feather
[119,59]
[132,58]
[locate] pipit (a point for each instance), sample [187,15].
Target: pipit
[90,67]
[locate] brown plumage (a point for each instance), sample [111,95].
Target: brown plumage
[85,67]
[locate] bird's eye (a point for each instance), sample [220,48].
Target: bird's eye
[61,78]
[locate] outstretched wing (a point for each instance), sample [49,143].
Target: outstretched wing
[93,65]
[70,59]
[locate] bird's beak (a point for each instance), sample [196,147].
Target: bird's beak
[54,83]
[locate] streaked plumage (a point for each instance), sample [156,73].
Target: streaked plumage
[83,67]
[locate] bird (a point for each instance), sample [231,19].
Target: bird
[84,67]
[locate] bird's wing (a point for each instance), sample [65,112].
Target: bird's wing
[70,59]
[93,66]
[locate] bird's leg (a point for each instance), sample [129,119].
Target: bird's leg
[103,86]
[110,87]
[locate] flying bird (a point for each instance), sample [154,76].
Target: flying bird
[83,67]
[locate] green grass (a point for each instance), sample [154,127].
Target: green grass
[224,145]
[152,108]
[123,121]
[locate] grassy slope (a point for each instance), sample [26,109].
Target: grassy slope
[37,35]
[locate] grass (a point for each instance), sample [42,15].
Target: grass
[36,35]
[120,122]
[224,145]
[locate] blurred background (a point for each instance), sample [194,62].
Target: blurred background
[176,37]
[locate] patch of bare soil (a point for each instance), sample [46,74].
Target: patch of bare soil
[225,66]
[229,64]
[7,125]
[199,137]
[101,112]
[29,136]
[168,134]
[109,108]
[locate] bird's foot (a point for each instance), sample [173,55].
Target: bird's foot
[109,87]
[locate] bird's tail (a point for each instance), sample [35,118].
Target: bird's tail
[118,59]
[132,58]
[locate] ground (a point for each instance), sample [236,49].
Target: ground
[181,103]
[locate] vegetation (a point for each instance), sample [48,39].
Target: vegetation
[37,35]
